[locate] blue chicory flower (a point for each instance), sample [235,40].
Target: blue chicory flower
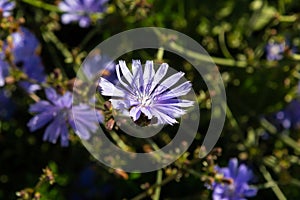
[58,112]
[99,65]
[289,117]
[6,7]
[238,188]
[80,10]
[146,93]
[3,70]
[24,46]
[274,50]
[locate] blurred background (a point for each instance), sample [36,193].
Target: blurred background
[255,45]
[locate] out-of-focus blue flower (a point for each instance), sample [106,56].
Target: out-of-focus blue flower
[289,117]
[274,50]
[238,188]
[57,112]
[100,65]
[146,93]
[6,7]
[80,10]
[3,70]
[24,46]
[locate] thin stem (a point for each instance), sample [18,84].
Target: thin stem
[201,57]
[232,120]
[50,36]
[88,37]
[119,141]
[274,187]
[158,182]
[160,54]
[223,46]
[42,5]
[163,182]
[288,18]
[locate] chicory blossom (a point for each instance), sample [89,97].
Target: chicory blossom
[3,70]
[144,93]
[237,188]
[99,65]
[24,49]
[6,7]
[275,50]
[289,117]
[80,10]
[57,113]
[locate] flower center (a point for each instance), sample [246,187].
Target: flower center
[145,100]
[275,50]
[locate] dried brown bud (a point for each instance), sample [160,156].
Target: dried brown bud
[110,124]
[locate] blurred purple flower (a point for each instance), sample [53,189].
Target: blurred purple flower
[6,7]
[145,93]
[275,50]
[101,65]
[24,47]
[24,44]
[80,10]
[289,117]
[239,188]
[57,112]
[3,70]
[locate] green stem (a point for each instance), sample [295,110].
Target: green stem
[42,5]
[201,57]
[160,54]
[296,56]
[281,6]
[232,120]
[88,37]
[119,141]
[274,187]
[163,182]
[158,182]
[50,36]
[223,46]
[283,135]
